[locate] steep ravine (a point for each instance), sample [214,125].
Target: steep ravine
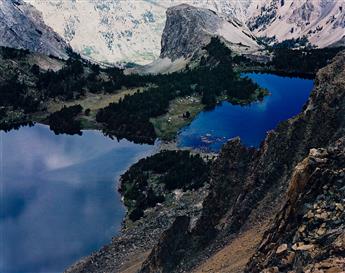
[248,186]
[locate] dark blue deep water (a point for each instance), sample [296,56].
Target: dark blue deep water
[211,129]
[58,196]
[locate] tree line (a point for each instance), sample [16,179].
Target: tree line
[147,182]
[130,117]
[64,120]
[215,76]
[307,61]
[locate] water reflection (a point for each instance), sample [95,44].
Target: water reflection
[58,197]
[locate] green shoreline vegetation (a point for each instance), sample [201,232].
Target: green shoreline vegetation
[153,179]
[181,112]
[134,101]
[137,107]
[143,116]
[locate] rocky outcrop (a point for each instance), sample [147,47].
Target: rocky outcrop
[308,233]
[249,185]
[169,247]
[22,27]
[188,29]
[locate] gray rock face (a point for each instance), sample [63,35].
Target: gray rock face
[187,28]
[22,27]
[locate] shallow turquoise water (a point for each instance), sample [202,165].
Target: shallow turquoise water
[211,129]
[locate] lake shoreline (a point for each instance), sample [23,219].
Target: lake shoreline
[72,179]
[143,242]
[168,145]
[122,256]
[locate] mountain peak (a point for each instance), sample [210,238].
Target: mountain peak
[181,6]
[188,29]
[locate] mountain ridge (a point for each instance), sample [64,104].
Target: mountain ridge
[321,22]
[131,32]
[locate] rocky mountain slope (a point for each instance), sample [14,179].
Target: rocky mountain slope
[124,31]
[247,187]
[321,22]
[308,233]
[127,252]
[187,29]
[22,27]
[130,31]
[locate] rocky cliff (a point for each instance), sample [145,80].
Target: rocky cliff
[188,29]
[123,31]
[130,31]
[308,233]
[22,27]
[248,186]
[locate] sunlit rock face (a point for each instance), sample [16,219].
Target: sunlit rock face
[130,31]
[188,29]
[322,22]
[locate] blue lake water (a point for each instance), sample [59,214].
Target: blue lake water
[58,193]
[58,196]
[211,129]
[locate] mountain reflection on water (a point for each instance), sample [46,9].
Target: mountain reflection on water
[58,199]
